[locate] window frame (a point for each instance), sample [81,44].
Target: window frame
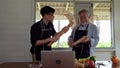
[111,20]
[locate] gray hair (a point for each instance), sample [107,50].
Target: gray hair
[84,10]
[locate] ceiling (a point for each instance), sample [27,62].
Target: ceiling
[101,10]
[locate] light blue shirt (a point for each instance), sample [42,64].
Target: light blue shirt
[93,35]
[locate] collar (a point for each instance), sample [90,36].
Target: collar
[83,24]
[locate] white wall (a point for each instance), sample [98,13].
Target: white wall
[16,17]
[15,22]
[117,25]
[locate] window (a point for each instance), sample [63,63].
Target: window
[60,21]
[101,17]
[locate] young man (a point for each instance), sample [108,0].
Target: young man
[88,34]
[41,33]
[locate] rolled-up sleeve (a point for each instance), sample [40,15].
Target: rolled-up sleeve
[53,30]
[93,34]
[95,37]
[72,33]
[34,34]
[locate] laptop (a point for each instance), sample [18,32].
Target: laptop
[58,59]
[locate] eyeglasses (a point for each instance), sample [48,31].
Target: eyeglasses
[51,14]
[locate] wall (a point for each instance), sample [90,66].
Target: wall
[15,22]
[16,17]
[117,26]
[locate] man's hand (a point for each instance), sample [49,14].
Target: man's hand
[85,39]
[54,39]
[65,29]
[70,42]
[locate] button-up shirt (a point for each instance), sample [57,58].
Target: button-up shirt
[93,34]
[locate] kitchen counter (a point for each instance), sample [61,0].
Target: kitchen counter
[99,64]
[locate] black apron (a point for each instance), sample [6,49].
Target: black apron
[45,33]
[82,50]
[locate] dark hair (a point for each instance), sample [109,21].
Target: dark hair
[46,10]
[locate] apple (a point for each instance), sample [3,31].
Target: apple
[91,64]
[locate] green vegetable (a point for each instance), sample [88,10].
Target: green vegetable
[92,58]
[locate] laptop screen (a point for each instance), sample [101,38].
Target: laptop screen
[58,59]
